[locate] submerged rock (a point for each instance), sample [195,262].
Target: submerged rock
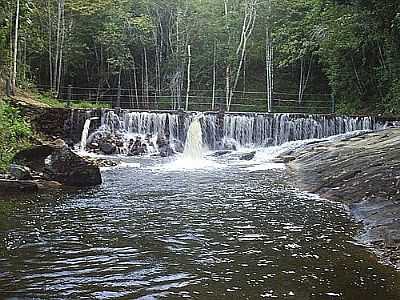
[248,156]
[166,151]
[221,153]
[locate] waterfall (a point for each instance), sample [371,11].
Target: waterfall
[85,133]
[273,130]
[141,123]
[246,130]
[194,140]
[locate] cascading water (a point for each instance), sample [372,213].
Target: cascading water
[277,129]
[246,130]
[194,140]
[85,133]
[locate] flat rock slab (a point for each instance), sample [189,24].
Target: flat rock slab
[17,187]
[364,173]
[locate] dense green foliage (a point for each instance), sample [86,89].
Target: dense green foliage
[350,48]
[14,133]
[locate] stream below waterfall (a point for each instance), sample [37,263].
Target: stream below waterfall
[160,228]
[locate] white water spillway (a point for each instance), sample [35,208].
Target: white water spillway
[246,129]
[85,133]
[194,140]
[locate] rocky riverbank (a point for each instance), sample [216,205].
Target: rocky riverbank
[363,172]
[48,167]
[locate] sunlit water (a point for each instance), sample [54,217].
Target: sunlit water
[158,228]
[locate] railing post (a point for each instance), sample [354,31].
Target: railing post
[333,104]
[118,104]
[8,87]
[69,95]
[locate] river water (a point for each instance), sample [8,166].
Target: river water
[164,229]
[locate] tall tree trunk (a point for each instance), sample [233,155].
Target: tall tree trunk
[61,47]
[188,77]
[214,76]
[269,55]
[50,46]
[135,83]
[269,69]
[58,39]
[146,78]
[14,69]
[247,30]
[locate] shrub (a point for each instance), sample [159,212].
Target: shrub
[14,133]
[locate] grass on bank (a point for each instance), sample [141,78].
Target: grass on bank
[15,133]
[49,100]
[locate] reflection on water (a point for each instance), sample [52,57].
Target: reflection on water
[236,232]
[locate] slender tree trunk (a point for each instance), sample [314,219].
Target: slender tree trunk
[146,78]
[14,70]
[60,63]
[58,39]
[188,77]
[247,30]
[214,76]
[50,46]
[227,84]
[269,53]
[135,83]
[61,51]
[118,102]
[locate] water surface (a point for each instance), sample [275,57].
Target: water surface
[159,229]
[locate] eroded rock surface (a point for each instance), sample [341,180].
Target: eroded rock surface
[364,172]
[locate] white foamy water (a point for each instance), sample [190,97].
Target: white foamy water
[85,134]
[194,141]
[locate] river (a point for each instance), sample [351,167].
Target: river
[166,229]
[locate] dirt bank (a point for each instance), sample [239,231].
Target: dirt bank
[364,172]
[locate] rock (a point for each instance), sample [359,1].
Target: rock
[178,146]
[44,185]
[229,145]
[221,153]
[166,151]
[102,163]
[248,156]
[34,157]
[15,187]
[20,172]
[287,158]
[108,148]
[70,169]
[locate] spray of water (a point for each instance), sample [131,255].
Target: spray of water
[194,140]
[85,133]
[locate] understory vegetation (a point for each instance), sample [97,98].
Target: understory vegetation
[172,53]
[15,133]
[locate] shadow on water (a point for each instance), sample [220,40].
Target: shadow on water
[151,231]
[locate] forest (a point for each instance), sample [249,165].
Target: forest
[238,54]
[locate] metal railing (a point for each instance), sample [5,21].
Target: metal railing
[199,100]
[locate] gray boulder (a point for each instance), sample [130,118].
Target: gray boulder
[20,172]
[248,156]
[108,148]
[70,169]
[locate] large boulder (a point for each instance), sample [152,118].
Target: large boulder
[20,172]
[70,169]
[35,156]
[108,148]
